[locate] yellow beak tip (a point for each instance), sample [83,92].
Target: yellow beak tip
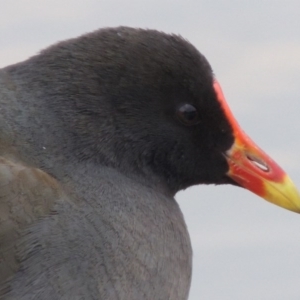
[283,194]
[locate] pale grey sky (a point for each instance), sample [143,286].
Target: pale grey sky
[244,247]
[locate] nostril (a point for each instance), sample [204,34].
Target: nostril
[258,163]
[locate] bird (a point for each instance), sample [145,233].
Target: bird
[97,135]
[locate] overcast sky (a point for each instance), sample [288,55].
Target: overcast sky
[244,247]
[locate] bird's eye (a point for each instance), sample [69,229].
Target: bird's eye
[188,114]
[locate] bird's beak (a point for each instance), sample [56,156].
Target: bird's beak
[253,169]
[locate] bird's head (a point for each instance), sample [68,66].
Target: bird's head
[147,102]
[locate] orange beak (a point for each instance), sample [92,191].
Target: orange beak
[253,169]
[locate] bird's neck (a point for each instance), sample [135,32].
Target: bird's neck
[38,135]
[35,137]
[28,133]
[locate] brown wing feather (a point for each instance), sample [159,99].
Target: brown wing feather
[25,195]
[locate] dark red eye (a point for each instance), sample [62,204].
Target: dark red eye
[188,114]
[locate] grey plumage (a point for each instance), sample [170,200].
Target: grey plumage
[91,158]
